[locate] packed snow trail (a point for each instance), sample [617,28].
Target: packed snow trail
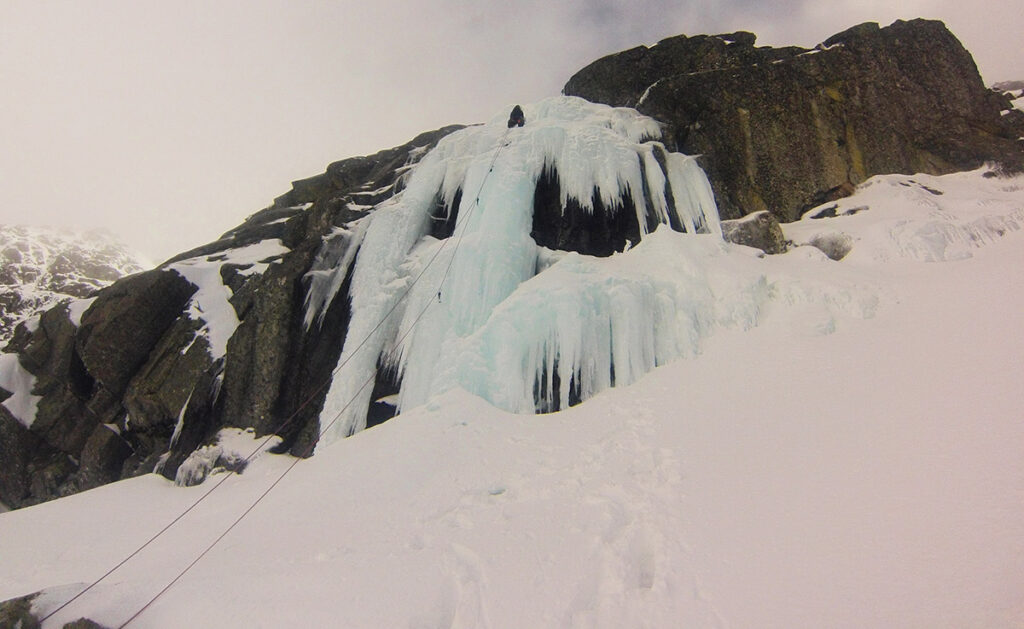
[599,153]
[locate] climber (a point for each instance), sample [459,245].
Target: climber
[516,118]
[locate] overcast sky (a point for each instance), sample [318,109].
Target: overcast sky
[169,122]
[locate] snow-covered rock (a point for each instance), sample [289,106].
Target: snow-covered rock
[939,219]
[760,230]
[230,452]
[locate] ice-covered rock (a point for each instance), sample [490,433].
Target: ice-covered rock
[445,313]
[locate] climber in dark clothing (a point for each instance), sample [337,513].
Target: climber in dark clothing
[516,118]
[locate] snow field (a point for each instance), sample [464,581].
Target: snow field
[853,459]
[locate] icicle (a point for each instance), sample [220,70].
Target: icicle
[656,185]
[181,421]
[329,270]
[694,199]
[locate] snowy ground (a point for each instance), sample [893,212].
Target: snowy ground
[856,459]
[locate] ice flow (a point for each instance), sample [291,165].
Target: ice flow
[482,309]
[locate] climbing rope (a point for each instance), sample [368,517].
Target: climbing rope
[476,203]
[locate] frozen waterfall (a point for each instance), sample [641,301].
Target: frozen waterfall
[489,310]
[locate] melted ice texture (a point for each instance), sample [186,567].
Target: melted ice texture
[480,310]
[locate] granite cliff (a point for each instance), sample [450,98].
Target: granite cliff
[785,129]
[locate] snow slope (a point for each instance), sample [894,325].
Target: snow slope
[849,455]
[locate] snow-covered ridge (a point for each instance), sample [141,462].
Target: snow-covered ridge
[939,219]
[487,176]
[41,266]
[1014,90]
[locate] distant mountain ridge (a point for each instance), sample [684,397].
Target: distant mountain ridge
[41,266]
[1009,86]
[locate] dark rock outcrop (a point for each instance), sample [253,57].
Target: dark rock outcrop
[135,386]
[786,129]
[125,323]
[16,613]
[599,232]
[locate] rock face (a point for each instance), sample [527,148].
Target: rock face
[214,337]
[17,612]
[786,129]
[40,267]
[221,336]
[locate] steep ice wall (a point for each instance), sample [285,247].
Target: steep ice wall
[461,312]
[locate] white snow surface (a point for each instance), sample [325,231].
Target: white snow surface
[451,313]
[1018,101]
[939,218]
[22,404]
[210,303]
[77,308]
[822,469]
